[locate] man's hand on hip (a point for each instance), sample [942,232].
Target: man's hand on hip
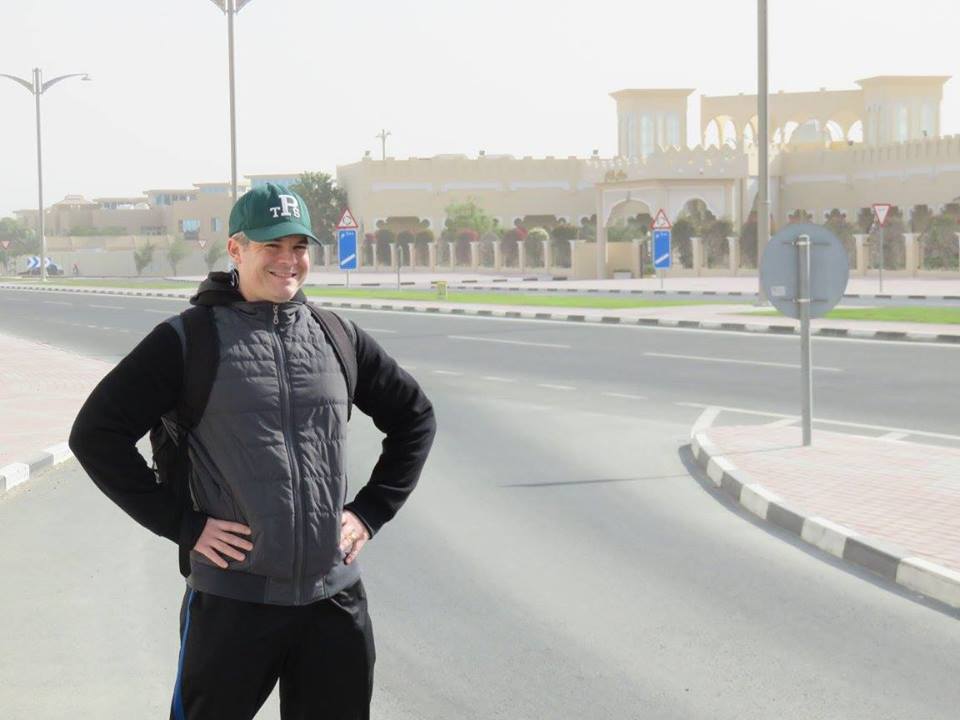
[222,537]
[353,536]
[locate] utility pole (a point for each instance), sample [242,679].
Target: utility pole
[763,140]
[37,88]
[231,8]
[383,143]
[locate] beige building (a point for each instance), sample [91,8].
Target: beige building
[830,151]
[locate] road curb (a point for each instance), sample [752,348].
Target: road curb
[890,561]
[833,332]
[17,473]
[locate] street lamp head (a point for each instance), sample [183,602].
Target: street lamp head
[86,78]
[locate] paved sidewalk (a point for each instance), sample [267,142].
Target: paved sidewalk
[41,391]
[888,505]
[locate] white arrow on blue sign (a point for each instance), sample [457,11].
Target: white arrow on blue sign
[661,249]
[347,249]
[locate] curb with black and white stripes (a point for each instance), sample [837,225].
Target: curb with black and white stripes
[17,473]
[769,329]
[892,562]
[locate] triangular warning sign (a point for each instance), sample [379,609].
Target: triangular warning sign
[202,243]
[6,244]
[346,221]
[660,222]
[881,209]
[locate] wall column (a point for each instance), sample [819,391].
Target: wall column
[635,256]
[373,253]
[497,254]
[393,254]
[911,248]
[696,245]
[861,239]
[573,257]
[522,255]
[326,255]
[474,254]
[547,255]
[733,242]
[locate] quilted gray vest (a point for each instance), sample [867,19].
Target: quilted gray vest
[269,452]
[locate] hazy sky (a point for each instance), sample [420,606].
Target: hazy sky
[317,80]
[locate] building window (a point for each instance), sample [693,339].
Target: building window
[926,120]
[646,135]
[215,225]
[903,123]
[631,135]
[673,129]
[190,229]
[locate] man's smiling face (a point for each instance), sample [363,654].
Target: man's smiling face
[274,270]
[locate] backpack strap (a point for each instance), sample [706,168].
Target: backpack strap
[334,327]
[201,357]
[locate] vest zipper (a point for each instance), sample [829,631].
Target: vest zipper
[287,414]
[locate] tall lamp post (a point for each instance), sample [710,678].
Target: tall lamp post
[231,8]
[37,88]
[383,135]
[763,144]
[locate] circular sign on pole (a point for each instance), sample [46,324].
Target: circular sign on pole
[780,270]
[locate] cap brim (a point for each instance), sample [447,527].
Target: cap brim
[272,232]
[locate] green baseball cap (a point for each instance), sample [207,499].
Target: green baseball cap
[271,211]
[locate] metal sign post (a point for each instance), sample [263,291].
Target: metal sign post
[803,300]
[804,273]
[881,210]
[347,243]
[661,243]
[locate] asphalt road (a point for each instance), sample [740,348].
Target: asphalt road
[562,557]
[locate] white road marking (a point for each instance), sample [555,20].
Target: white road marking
[161,312]
[56,302]
[380,330]
[783,422]
[705,420]
[625,396]
[549,386]
[508,342]
[107,307]
[894,436]
[494,378]
[446,372]
[739,362]
[840,423]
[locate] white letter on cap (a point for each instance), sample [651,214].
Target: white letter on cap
[289,203]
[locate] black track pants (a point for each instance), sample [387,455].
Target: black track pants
[232,653]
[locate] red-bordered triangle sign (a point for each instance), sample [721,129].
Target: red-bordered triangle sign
[346,221]
[5,243]
[882,209]
[660,221]
[202,243]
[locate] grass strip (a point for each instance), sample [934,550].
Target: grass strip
[932,315]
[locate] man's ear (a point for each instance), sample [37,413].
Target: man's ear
[233,250]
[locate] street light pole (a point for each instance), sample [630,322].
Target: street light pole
[763,139]
[37,88]
[231,8]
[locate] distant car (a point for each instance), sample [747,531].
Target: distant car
[52,269]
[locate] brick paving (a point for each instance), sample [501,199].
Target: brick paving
[896,492]
[41,390]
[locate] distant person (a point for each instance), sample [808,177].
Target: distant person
[273,586]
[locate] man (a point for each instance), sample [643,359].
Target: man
[273,590]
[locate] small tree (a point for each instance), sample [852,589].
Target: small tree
[325,202]
[468,216]
[213,254]
[143,256]
[533,245]
[177,251]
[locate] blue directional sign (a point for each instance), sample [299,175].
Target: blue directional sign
[347,244]
[661,249]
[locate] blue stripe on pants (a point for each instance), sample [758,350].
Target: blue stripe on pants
[178,711]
